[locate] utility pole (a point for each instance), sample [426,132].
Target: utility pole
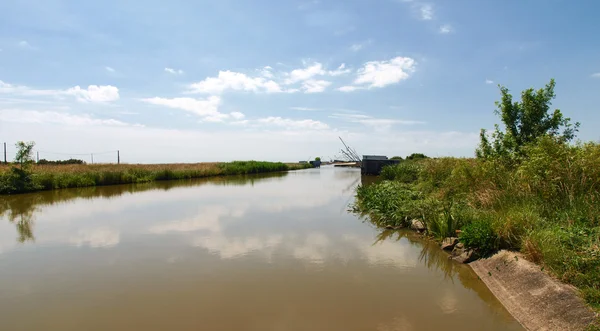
[37,157]
[118,157]
[5,154]
[92,158]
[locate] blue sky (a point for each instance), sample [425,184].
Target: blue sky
[184,81]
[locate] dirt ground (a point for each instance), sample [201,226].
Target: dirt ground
[535,299]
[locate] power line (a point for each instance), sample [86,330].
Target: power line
[59,153]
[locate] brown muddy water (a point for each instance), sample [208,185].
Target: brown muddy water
[273,252]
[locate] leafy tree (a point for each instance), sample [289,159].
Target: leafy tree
[19,179]
[24,155]
[524,122]
[399,158]
[416,156]
[318,159]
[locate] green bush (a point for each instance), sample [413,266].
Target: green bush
[480,235]
[404,172]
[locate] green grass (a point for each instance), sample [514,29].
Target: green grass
[545,204]
[49,177]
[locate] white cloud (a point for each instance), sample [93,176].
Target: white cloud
[229,80]
[341,70]
[109,69]
[237,115]
[376,123]
[595,75]
[349,88]
[305,108]
[208,108]
[307,73]
[356,47]
[489,81]
[426,11]
[174,71]
[307,124]
[51,117]
[315,86]
[446,28]
[267,72]
[95,93]
[382,73]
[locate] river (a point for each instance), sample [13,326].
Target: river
[269,252]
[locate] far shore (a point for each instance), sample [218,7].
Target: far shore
[49,176]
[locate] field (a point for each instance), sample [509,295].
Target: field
[48,177]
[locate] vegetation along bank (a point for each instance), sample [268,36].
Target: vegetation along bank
[26,176]
[530,188]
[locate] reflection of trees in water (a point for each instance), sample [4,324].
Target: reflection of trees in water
[21,209]
[431,255]
[20,212]
[437,260]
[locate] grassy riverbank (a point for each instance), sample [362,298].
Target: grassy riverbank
[529,189]
[48,177]
[546,205]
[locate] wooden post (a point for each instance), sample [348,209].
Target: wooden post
[118,158]
[92,158]
[5,154]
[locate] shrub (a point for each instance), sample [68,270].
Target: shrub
[404,172]
[480,235]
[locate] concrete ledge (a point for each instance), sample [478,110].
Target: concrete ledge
[535,299]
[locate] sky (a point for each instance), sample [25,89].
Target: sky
[191,81]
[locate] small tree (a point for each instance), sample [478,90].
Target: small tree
[399,158]
[524,122]
[24,155]
[19,178]
[318,159]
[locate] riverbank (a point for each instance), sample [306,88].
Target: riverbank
[49,177]
[536,300]
[544,205]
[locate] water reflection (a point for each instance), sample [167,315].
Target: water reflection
[21,209]
[254,253]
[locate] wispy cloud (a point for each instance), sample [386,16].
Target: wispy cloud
[51,117]
[174,71]
[315,86]
[596,75]
[489,81]
[426,11]
[93,93]
[24,44]
[349,88]
[341,70]
[293,124]
[205,108]
[373,122]
[305,109]
[109,69]
[446,28]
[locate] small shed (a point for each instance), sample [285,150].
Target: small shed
[372,164]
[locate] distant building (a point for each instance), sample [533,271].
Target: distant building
[303,162]
[372,164]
